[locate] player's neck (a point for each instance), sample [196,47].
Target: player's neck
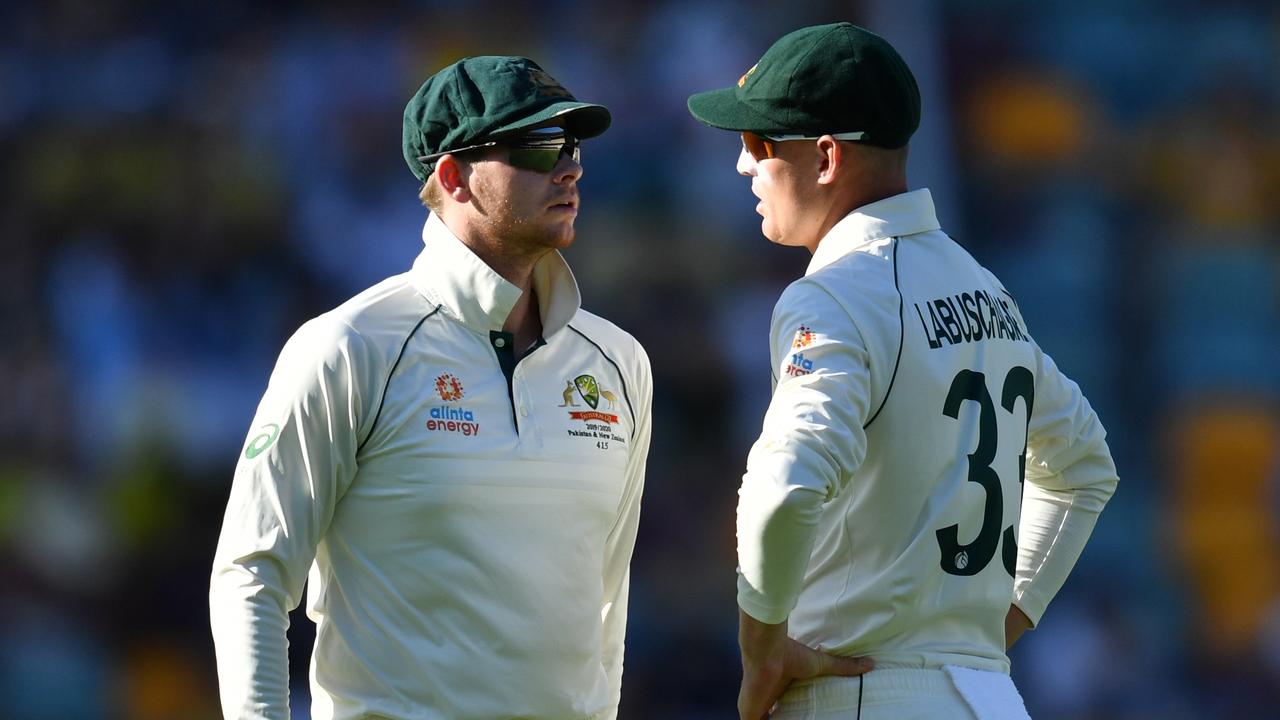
[525,320]
[855,198]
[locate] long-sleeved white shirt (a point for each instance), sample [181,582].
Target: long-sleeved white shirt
[880,510]
[463,517]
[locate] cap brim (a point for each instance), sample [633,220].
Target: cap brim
[722,109]
[584,120]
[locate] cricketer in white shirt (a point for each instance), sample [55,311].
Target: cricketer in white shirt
[463,517]
[883,512]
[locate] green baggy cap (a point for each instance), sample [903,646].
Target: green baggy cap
[479,99]
[836,78]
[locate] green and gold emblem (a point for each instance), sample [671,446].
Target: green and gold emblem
[588,389]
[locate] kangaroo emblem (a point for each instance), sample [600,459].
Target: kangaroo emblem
[613,399]
[568,396]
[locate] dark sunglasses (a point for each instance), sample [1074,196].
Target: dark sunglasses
[762,147]
[536,152]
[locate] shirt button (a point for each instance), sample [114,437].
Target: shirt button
[499,342]
[524,411]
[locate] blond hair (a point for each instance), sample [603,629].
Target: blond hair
[431,196]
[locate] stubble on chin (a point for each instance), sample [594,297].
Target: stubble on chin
[516,232]
[530,236]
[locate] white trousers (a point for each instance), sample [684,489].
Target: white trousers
[905,694]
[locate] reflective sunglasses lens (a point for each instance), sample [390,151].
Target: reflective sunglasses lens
[756,146]
[541,160]
[542,154]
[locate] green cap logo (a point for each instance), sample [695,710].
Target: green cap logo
[547,85]
[263,441]
[588,389]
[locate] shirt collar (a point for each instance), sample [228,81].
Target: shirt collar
[904,214]
[448,273]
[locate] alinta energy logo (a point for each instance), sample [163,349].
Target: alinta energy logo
[451,418]
[449,388]
[804,338]
[799,365]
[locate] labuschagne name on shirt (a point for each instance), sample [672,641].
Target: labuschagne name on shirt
[968,317]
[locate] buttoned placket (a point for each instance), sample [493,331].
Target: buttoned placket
[503,344]
[523,401]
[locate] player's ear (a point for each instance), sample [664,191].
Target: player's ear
[452,179]
[830,157]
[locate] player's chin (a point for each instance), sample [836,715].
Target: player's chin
[770,232]
[560,235]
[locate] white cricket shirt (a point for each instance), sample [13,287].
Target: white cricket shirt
[880,508]
[464,521]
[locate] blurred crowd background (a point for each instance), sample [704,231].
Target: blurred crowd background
[186,182]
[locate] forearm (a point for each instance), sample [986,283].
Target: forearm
[759,641]
[1016,623]
[1055,526]
[1070,476]
[614,630]
[249,626]
[776,527]
[622,539]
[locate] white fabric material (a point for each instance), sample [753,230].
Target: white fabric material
[880,510]
[991,695]
[465,544]
[882,694]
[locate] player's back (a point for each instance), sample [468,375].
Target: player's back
[914,558]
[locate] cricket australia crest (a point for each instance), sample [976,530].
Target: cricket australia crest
[597,425]
[591,393]
[589,389]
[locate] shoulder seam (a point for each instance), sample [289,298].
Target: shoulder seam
[621,375]
[902,338]
[387,383]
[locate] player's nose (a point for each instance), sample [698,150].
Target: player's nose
[567,169]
